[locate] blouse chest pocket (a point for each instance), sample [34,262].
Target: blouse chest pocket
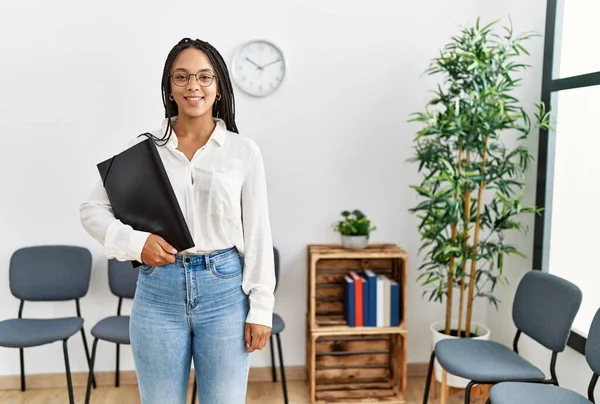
[224,198]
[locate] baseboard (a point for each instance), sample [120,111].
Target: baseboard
[56,380]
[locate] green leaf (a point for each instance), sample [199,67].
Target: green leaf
[422,191]
[523,49]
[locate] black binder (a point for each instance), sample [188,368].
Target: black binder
[142,196]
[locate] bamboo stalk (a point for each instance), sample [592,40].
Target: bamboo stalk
[475,242]
[461,306]
[465,248]
[449,299]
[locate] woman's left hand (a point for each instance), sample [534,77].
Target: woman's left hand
[256,336]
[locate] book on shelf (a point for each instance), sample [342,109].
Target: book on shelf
[371,300]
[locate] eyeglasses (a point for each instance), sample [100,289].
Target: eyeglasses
[181,78]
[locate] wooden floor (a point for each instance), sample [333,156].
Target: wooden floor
[258,393]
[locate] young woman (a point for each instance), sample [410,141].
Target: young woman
[213,302]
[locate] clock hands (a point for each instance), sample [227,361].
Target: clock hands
[259,67]
[270,63]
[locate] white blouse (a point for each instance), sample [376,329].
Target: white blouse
[224,181]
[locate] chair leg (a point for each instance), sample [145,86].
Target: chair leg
[89,382]
[68,370]
[22,360]
[273,372]
[194,392]
[117,367]
[87,354]
[429,377]
[468,392]
[282,370]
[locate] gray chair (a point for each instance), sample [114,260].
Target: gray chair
[532,393]
[544,309]
[49,273]
[122,281]
[277,328]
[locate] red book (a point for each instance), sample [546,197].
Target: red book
[358,298]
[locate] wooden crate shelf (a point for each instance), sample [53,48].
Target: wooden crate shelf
[358,368]
[328,264]
[336,325]
[353,364]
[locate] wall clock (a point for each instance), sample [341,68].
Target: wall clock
[258,68]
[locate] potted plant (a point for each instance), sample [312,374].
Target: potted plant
[472,183]
[355,229]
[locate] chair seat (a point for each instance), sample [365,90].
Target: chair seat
[113,329]
[278,324]
[531,393]
[29,332]
[484,361]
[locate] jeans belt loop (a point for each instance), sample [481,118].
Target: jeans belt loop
[207,261]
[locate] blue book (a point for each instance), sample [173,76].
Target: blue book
[349,312]
[394,303]
[371,286]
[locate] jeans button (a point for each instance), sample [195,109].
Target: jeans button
[187,259]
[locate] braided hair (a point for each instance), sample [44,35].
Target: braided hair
[223,108]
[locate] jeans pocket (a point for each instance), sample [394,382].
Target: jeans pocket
[147,269]
[227,268]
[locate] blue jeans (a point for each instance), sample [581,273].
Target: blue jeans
[196,308]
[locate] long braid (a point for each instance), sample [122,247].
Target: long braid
[223,109]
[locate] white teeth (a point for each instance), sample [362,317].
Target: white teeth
[194,98]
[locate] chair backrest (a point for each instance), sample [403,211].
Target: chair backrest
[592,346]
[122,278]
[276,258]
[545,307]
[592,354]
[50,273]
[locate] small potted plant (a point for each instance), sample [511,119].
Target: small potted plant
[355,229]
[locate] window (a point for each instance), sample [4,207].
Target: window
[567,234]
[576,38]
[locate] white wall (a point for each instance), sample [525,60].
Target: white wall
[335,136]
[572,369]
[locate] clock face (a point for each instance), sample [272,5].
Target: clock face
[258,68]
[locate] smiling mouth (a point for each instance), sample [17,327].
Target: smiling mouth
[194,98]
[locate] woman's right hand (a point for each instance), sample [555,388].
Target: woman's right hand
[157,251]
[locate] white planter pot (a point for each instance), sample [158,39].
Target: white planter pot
[355,242]
[483,333]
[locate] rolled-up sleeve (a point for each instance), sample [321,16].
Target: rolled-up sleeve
[259,268]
